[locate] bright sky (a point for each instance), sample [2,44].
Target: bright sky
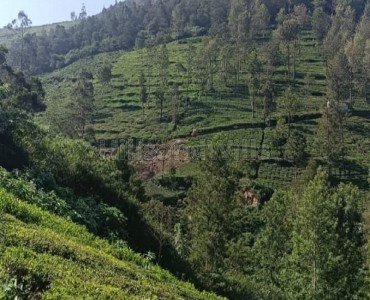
[48,11]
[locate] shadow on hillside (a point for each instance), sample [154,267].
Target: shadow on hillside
[362,114]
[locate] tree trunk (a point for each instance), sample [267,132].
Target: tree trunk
[253,105]
[22,49]
[161,118]
[294,61]
[288,57]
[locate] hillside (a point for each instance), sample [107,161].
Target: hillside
[226,141]
[226,109]
[43,256]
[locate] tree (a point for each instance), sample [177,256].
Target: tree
[348,275]
[339,79]
[289,104]
[208,55]
[254,69]
[274,243]
[163,63]
[356,53]
[246,19]
[327,250]
[23,94]
[143,92]
[83,105]
[295,148]
[73,16]
[267,93]
[83,13]
[161,98]
[209,207]
[342,27]
[190,57]
[329,143]
[161,220]
[288,32]
[150,64]
[320,21]
[20,26]
[3,53]
[175,105]
[201,73]
[105,73]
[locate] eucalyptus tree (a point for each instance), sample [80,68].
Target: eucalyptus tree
[20,26]
[288,33]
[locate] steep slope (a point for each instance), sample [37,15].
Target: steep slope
[43,256]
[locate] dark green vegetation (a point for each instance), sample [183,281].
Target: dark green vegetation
[234,151]
[49,257]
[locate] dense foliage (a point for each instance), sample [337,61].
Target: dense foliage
[43,256]
[292,74]
[131,23]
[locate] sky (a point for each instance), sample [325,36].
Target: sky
[48,11]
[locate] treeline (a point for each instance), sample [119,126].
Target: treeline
[127,24]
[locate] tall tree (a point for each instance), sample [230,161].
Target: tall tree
[161,220]
[175,105]
[274,243]
[20,26]
[83,13]
[320,21]
[267,93]
[163,63]
[210,203]
[355,51]
[329,143]
[190,57]
[254,73]
[83,105]
[143,92]
[288,32]
[289,104]
[339,79]
[342,27]
[327,253]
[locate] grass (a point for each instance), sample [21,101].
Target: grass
[53,258]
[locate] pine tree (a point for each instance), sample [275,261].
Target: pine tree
[327,244]
[210,203]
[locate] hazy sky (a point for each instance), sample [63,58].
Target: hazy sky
[48,11]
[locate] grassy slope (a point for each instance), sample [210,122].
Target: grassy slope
[119,108]
[119,113]
[61,260]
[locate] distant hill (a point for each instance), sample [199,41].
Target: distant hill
[7,36]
